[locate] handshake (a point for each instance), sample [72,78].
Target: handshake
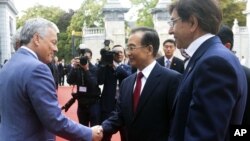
[97,133]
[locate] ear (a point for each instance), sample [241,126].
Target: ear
[150,49]
[228,45]
[36,39]
[193,23]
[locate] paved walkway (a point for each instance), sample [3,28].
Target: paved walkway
[64,94]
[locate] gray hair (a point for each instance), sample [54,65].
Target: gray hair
[35,25]
[16,38]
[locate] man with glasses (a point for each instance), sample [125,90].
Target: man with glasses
[146,97]
[212,94]
[169,60]
[111,76]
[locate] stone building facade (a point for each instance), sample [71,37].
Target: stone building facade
[8,14]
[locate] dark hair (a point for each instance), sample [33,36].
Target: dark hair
[169,41]
[207,12]
[150,37]
[226,35]
[84,50]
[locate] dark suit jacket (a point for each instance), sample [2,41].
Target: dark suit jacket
[246,118]
[54,70]
[108,77]
[151,121]
[177,64]
[212,95]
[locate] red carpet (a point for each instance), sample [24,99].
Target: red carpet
[64,94]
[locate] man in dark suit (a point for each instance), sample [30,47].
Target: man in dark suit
[146,96]
[54,70]
[212,94]
[29,109]
[227,38]
[111,76]
[169,60]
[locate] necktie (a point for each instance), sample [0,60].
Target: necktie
[137,90]
[186,56]
[168,64]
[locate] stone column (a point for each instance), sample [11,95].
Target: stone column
[8,14]
[237,39]
[247,54]
[161,17]
[114,21]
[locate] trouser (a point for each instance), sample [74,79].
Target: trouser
[89,114]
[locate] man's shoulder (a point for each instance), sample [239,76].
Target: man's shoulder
[247,72]
[177,59]
[160,58]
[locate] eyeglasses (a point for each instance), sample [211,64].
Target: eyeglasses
[172,22]
[131,48]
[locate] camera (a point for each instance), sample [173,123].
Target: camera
[106,54]
[83,59]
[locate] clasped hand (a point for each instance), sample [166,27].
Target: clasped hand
[97,133]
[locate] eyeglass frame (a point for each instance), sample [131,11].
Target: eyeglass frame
[131,48]
[172,22]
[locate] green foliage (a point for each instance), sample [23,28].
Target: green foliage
[89,15]
[145,17]
[232,10]
[48,12]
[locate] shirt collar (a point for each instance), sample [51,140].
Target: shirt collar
[116,64]
[196,44]
[165,59]
[146,71]
[29,50]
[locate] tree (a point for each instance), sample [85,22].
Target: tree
[145,17]
[64,20]
[48,12]
[232,10]
[88,15]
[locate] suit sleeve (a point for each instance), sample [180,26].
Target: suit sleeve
[43,97]
[115,121]
[213,96]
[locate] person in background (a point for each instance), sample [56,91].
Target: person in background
[213,91]
[169,60]
[83,74]
[61,72]
[16,39]
[227,38]
[29,109]
[111,76]
[54,70]
[147,96]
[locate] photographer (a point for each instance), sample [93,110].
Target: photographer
[110,74]
[84,75]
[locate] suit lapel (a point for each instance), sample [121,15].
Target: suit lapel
[161,61]
[173,63]
[151,83]
[130,92]
[200,51]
